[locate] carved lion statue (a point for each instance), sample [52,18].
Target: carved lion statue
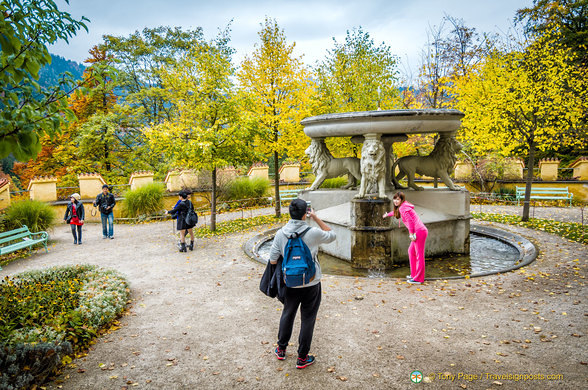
[373,168]
[438,164]
[325,166]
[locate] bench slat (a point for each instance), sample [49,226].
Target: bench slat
[15,231]
[15,237]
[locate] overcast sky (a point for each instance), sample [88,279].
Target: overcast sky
[312,25]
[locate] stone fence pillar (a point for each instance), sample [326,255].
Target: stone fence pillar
[513,169]
[172,181]
[258,170]
[548,169]
[4,193]
[43,189]
[463,170]
[580,166]
[227,174]
[90,185]
[140,178]
[290,173]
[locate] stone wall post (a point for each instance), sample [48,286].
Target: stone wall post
[43,189]
[258,170]
[580,166]
[548,169]
[225,175]
[290,173]
[140,178]
[172,181]
[90,185]
[4,193]
[463,170]
[513,169]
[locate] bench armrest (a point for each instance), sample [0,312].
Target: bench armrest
[44,235]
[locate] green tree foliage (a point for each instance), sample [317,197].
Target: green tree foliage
[207,130]
[26,110]
[356,75]
[143,101]
[278,89]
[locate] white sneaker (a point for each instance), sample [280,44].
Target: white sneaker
[412,281]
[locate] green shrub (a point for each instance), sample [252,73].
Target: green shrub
[34,214]
[336,182]
[145,200]
[506,193]
[47,314]
[246,188]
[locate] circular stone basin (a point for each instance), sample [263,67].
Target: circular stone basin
[382,122]
[491,251]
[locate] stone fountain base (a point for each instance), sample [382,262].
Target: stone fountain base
[368,241]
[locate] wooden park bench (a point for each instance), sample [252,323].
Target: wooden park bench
[545,193]
[21,238]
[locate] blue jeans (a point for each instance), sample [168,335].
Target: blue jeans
[110,219]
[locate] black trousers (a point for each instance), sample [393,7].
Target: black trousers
[309,300]
[77,238]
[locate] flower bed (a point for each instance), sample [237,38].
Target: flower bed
[48,314]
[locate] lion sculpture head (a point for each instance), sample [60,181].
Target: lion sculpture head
[318,155]
[445,152]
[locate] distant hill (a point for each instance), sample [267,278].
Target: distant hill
[49,75]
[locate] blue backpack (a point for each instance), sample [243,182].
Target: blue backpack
[298,265]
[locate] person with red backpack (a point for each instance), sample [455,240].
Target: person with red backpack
[298,244]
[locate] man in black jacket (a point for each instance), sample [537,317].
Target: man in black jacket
[105,202]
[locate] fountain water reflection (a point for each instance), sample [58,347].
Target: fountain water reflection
[487,255]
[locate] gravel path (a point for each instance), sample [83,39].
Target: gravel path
[198,321]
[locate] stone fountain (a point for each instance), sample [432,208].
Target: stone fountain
[355,211]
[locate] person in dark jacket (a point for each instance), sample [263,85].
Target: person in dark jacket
[179,212]
[75,215]
[105,202]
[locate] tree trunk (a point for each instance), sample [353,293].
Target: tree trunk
[277,186]
[213,202]
[530,164]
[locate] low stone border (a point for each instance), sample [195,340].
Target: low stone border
[527,251]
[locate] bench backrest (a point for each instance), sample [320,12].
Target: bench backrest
[544,190]
[15,231]
[15,234]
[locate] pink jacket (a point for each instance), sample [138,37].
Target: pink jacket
[409,217]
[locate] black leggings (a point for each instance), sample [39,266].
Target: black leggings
[77,238]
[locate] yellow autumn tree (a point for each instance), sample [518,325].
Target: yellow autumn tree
[278,88]
[206,129]
[526,100]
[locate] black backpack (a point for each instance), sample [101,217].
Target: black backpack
[191,217]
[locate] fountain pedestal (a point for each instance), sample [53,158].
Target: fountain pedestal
[445,213]
[371,246]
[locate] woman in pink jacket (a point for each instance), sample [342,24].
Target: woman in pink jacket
[417,233]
